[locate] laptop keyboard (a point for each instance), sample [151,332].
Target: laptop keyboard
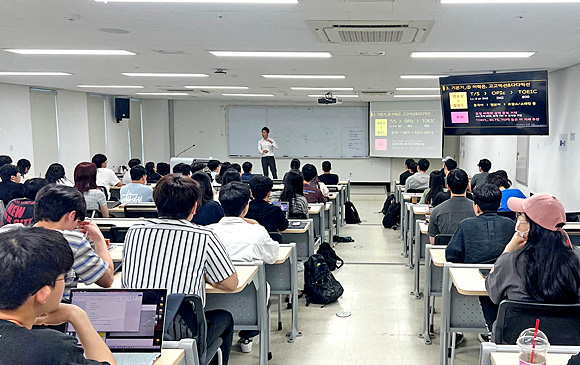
[135,358]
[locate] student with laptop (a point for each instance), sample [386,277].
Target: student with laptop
[127,178]
[34,263]
[261,210]
[136,191]
[174,254]
[293,193]
[105,177]
[327,177]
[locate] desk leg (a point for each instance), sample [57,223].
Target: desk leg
[342,206]
[417,259]
[402,223]
[445,308]
[294,280]
[411,237]
[263,316]
[426,310]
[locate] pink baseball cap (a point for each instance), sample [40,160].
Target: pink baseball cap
[544,209]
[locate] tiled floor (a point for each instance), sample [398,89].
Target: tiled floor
[385,319]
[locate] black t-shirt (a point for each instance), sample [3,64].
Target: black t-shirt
[10,190]
[329,179]
[19,345]
[269,216]
[208,213]
[19,211]
[404,176]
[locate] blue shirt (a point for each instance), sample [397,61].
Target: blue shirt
[246,176]
[509,193]
[136,193]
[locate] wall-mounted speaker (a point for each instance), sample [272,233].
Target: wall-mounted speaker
[122,109]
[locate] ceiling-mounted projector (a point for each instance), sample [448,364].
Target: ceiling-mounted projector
[329,99]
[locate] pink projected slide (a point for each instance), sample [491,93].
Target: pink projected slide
[380,144]
[459,117]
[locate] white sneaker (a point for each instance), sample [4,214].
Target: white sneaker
[246,345]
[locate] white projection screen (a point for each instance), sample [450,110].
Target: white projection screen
[406,129]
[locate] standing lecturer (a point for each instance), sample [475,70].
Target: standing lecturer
[266,147]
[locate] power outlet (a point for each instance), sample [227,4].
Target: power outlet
[11,148]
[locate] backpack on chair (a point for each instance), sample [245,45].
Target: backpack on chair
[351,214]
[320,286]
[330,256]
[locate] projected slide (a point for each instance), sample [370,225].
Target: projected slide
[406,129]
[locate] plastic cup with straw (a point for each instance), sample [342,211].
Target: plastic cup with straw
[533,345]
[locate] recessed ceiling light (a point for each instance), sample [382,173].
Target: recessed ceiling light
[417,96]
[153,74]
[218,87]
[417,89]
[250,95]
[419,77]
[168,94]
[75,52]
[111,86]
[204,1]
[507,1]
[336,96]
[33,73]
[472,54]
[304,76]
[272,54]
[323,88]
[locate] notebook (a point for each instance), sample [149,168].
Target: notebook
[130,321]
[285,206]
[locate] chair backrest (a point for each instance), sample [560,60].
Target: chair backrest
[106,230]
[442,239]
[2,209]
[276,236]
[141,211]
[104,190]
[560,322]
[118,234]
[510,215]
[297,216]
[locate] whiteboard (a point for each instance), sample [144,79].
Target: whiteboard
[300,132]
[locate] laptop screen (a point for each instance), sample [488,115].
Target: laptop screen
[129,320]
[284,206]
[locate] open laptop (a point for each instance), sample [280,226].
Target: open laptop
[130,321]
[285,206]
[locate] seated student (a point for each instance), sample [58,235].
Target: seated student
[214,168]
[295,164]
[446,217]
[317,183]
[244,242]
[436,186]
[152,175]
[539,264]
[445,160]
[162,168]
[484,166]
[208,211]
[405,175]
[137,191]
[21,210]
[268,215]
[86,183]
[10,186]
[420,179]
[55,174]
[449,165]
[183,169]
[481,239]
[34,263]
[247,175]
[105,177]
[223,168]
[230,175]
[293,193]
[196,166]
[127,175]
[237,167]
[328,178]
[312,193]
[5,160]
[501,181]
[23,166]
[152,258]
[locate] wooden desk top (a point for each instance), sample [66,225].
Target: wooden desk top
[314,209]
[116,253]
[119,222]
[283,254]
[297,230]
[468,281]
[408,196]
[438,256]
[170,357]
[245,275]
[572,226]
[424,227]
[420,209]
[501,358]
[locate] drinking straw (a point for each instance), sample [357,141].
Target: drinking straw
[535,338]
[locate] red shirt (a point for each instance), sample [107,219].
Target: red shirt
[313,194]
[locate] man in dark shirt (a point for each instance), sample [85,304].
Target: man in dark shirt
[33,273]
[327,178]
[247,175]
[403,177]
[481,239]
[10,187]
[268,215]
[22,210]
[311,193]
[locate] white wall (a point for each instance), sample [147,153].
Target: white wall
[551,171]
[73,125]
[156,130]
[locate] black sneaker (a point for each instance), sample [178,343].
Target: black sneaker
[484,337]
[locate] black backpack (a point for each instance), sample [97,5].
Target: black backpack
[320,286]
[393,215]
[330,256]
[390,199]
[350,213]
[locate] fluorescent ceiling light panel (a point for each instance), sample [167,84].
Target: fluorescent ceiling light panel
[161,74]
[417,89]
[304,76]
[472,54]
[111,86]
[33,73]
[218,87]
[417,96]
[336,96]
[167,94]
[250,95]
[323,88]
[422,77]
[73,52]
[204,1]
[508,1]
[272,54]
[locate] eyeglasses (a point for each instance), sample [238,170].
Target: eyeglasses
[69,278]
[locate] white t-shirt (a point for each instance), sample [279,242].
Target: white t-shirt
[264,145]
[127,178]
[106,178]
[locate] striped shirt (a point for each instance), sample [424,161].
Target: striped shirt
[175,255]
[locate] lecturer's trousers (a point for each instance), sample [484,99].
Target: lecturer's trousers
[271,162]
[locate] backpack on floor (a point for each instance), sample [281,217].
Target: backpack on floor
[393,215]
[390,199]
[320,286]
[330,256]
[350,213]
